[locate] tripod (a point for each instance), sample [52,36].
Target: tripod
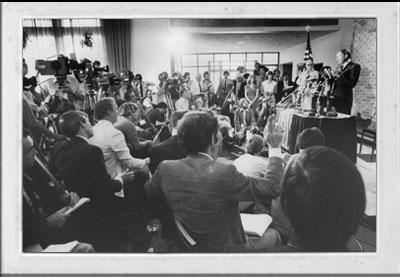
[89,102]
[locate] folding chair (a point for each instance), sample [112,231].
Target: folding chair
[186,243]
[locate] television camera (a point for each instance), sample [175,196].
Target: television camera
[175,80]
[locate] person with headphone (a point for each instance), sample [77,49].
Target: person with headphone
[345,79]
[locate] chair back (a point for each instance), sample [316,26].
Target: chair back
[186,243]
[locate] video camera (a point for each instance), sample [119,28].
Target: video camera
[176,79]
[109,79]
[60,67]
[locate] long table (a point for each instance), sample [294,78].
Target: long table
[340,132]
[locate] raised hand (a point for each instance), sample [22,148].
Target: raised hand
[273,133]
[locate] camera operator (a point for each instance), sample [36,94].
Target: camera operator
[126,78]
[141,86]
[66,87]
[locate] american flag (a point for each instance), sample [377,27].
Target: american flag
[308,51]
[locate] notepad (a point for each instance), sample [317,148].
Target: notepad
[57,248]
[255,224]
[78,204]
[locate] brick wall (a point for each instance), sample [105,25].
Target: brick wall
[364,53]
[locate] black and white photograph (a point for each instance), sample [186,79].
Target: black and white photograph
[200,137]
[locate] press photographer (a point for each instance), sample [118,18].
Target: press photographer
[63,85]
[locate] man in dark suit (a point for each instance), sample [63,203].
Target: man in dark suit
[204,193]
[225,85]
[284,87]
[346,79]
[169,149]
[82,167]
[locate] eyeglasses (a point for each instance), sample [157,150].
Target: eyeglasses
[309,64]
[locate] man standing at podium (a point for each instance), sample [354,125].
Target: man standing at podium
[346,78]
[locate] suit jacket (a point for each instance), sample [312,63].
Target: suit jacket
[240,93]
[204,195]
[241,117]
[84,171]
[221,90]
[279,90]
[347,81]
[167,150]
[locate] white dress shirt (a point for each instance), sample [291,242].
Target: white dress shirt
[182,104]
[116,152]
[250,165]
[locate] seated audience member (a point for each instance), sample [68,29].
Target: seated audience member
[82,167]
[307,138]
[252,164]
[169,149]
[323,196]
[129,113]
[116,153]
[36,128]
[204,193]
[112,141]
[82,164]
[244,117]
[39,228]
[310,137]
[183,102]
[244,121]
[157,117]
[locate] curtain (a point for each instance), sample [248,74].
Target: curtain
[41,43]
[117,34]
[51,37]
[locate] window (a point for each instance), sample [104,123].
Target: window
[217,63]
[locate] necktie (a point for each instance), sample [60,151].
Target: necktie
[200,87]
[225,86]
[141,89]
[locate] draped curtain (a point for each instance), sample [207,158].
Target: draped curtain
[51,37]
[117,33]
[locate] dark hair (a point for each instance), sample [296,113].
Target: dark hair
[196,129]
[162,105]
[276,70]
[103,106]
[310,137]
[186,74]
[70,123]
[285,74]
[138,77]
[270,73]
[345,53]
[255,144]
[309,59]
[96,62]
[225,72]
[127,109]
[205,73]
[323,196]
[246,75]
[176,116]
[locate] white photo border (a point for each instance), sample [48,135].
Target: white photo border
[385,260]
